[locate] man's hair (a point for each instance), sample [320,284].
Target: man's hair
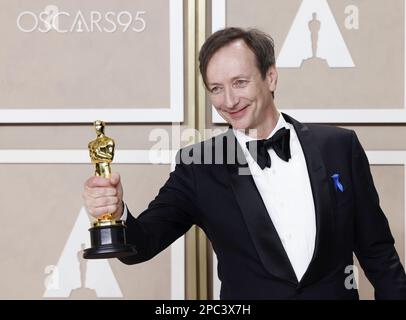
[261,44]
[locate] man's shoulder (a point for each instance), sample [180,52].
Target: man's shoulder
[323,131]
[329,136]
[319,131]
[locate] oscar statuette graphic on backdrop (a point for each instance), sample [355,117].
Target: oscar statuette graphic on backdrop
[107,235]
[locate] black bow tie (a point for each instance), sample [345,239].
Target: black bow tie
[279,142]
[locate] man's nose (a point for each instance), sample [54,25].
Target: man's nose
[230,99]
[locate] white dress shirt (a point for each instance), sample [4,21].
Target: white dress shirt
[287,195]
[286,191]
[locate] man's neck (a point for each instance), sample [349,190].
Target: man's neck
[263,131]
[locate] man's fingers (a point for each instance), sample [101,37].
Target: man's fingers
[102,202]
[97,212]
[100,192]
[96,181]
[102,195]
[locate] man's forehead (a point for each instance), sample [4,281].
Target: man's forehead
[231,61]
[235,47]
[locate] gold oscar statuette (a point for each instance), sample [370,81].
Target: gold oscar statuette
[107,235]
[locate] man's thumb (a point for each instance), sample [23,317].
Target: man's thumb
[115,179]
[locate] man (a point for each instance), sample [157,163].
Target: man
[284,204]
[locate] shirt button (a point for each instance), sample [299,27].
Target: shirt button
[273,171]
[289,236]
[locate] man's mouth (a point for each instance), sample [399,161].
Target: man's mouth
[239,113]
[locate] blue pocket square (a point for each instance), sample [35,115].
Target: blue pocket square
[337,183]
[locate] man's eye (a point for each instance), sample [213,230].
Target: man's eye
[240,83]
[215,90]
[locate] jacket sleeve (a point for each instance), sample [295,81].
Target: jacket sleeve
[374,243]
[167,217]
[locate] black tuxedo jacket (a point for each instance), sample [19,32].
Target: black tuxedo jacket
[208,188]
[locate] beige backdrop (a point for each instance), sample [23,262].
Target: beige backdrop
[74,71]
[85,69]
[43,206]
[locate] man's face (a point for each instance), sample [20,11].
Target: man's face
[236,88]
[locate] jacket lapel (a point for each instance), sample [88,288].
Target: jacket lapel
[322,190]
[260,226]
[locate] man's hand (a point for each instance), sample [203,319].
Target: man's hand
[103,195]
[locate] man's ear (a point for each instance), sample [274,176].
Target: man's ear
[272,78]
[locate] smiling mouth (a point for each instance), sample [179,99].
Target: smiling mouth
[238,113]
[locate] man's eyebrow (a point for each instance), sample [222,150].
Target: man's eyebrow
[232,79]
[239,76]
[214,84]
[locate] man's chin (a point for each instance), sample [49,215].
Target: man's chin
[239,125]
